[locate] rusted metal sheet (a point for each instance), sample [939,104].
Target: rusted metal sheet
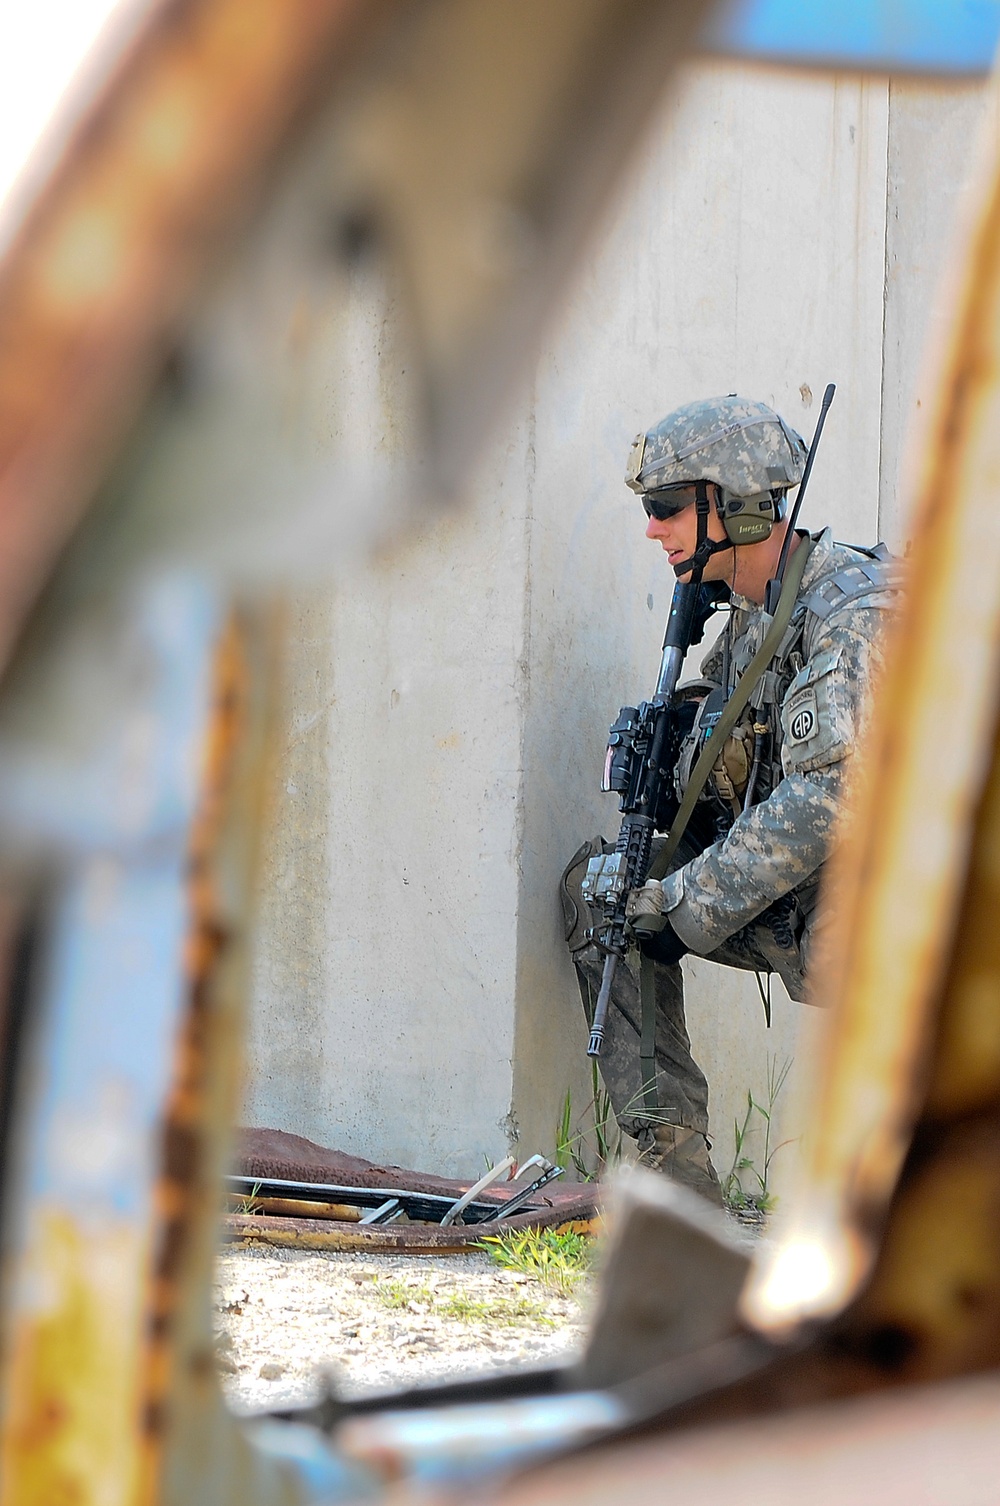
[127,1083]
[189,1124]
[329,1234]
[192,1449]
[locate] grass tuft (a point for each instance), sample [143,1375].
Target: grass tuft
[469,1309]
[414,1297]
[402,1295]
[248,1204]
[747,1188]
[557,1258]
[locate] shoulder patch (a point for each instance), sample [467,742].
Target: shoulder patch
[816,721]
[803,721]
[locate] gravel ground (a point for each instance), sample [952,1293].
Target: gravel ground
[287,1318]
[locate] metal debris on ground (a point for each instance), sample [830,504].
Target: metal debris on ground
[289,1192]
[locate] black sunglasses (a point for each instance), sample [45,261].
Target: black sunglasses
[663,505]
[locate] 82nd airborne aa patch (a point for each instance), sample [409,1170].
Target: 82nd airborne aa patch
[803,717]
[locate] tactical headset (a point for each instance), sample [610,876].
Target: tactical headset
[746,520]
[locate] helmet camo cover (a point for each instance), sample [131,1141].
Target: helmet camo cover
[741,445]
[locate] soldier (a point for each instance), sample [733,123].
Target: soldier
[744,884]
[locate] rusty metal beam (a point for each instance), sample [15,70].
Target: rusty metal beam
[165,167]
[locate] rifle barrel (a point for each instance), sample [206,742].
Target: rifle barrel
[670,671]
[601,1010]
[677,637]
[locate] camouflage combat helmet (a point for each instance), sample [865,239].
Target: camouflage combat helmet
[743,446]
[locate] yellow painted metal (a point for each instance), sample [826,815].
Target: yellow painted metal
[70,1434]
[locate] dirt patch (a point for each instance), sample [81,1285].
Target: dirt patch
[285,1319]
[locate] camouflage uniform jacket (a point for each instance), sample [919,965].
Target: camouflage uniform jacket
[818,684]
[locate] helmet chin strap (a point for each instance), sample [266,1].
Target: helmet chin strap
[704,546]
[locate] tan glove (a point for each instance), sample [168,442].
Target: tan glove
[645,906]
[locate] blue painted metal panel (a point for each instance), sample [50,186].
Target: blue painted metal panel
[116,995]
[922,36]
[113,989]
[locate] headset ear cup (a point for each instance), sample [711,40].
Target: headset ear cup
[748,520]
[749,530]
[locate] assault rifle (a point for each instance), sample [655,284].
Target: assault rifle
[643,747]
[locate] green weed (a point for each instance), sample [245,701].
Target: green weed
[747,1187]
[595,1146]
[508,1310]
[557,1259]
[399,1295]
[248,1204]
[406,1296]
[564,1133]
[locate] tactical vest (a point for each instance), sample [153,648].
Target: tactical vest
[858,584]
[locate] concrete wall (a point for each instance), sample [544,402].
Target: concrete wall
[447,705]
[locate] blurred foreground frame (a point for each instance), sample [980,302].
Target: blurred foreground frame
[479,144]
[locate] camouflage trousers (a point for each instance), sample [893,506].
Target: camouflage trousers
[682,1090]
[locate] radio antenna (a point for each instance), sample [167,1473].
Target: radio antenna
[773,593]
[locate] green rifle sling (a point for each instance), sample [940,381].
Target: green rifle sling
[699,778]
